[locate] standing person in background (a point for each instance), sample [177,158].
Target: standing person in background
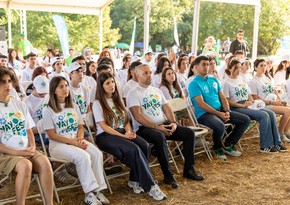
[68,60]
[148,60]
[211,50]
[226,46]
[88,54]
[123,73]
[24,46]
[239,44]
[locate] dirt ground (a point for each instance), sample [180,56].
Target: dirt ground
[254,178]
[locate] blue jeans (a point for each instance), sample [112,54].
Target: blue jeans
[212,121]
[37,139]
[269,134]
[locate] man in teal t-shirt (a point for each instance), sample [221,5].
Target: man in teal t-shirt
[24,46]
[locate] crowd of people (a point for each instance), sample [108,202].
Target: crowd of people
[131,111]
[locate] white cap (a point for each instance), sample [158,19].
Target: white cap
[34,50]
[74,66]
[148,51]
[41,84]
[135,58]
[228,56]
[54,60]
[244,60]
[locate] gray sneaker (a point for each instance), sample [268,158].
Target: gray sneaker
[101,197]
[91,199]
[156,193]
[284,138]
[135,186]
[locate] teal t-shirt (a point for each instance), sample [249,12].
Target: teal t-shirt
[25,47]
[208,88]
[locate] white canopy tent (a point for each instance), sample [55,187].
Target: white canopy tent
[255,3]
[89,7]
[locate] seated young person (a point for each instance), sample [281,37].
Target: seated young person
[17,146]
[64,126]
[115,136]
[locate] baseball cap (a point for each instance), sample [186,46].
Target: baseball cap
[285,58]
[228,56]
[54,60]
[74,66]
[41,84]
[148,51]
[22,34]
[244,60]
[135,58]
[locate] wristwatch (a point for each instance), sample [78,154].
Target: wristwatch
[228,111]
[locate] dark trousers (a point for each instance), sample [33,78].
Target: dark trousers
[133,153]
[158,138]
[212,121]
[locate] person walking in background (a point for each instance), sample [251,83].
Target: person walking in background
[239,44]
[24,46]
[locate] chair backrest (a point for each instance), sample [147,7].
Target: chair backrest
[177,104]
[41,130]
[90,123]
[191,112]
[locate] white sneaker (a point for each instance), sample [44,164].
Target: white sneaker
[91,199]
[156,193]
[284,138]
[135,186]
[101,197]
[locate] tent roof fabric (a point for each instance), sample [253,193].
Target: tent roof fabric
[246,2]
[90,7]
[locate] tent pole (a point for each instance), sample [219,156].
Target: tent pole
[256,31]
[146,24]
[101,29]
[195,26]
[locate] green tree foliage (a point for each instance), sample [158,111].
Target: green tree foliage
[83,30]
[220,20]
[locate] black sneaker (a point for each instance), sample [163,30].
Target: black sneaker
[169,179]
[281,148]
[115,169]
[269,150]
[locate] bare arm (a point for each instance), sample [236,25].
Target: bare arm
[224,101]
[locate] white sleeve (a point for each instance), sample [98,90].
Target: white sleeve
[165,92]
[28,119]
[155,82]
[98,112]
[164,101]
[47,115]
[132,99]
[226,89]
[24,76]
[253,87]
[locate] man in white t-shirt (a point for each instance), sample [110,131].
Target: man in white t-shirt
[80,94]
[88,81]
[57,69]
[27,72]
[149,109]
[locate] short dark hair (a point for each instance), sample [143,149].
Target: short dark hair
[78,58]
[240,31]
[239,52]
[2,56]
[199,59]
[103,67]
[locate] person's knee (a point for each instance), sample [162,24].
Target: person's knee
[159,139]
[24,168]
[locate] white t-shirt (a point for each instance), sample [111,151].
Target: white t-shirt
[181,77]
[14,94]
[129,86]
[65,122]
[280,77]
[17,67]
[156,81]
[99,115]
[221,71]
[166,93]
[81,97]
[187,82]
[261,86]
[62,74]
[123,74]
[27,74]
[14,121]
[150,100]
[236,90]
[90,83]
[35,106]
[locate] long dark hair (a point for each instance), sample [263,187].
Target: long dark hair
[88,72]
[190,72]
[132,67]
[109,114]
[167,84]
[160,64]
[280,66]
[53,102]
[10,60]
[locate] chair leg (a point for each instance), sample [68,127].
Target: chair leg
[172,158]
[40,188]
[108,183]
